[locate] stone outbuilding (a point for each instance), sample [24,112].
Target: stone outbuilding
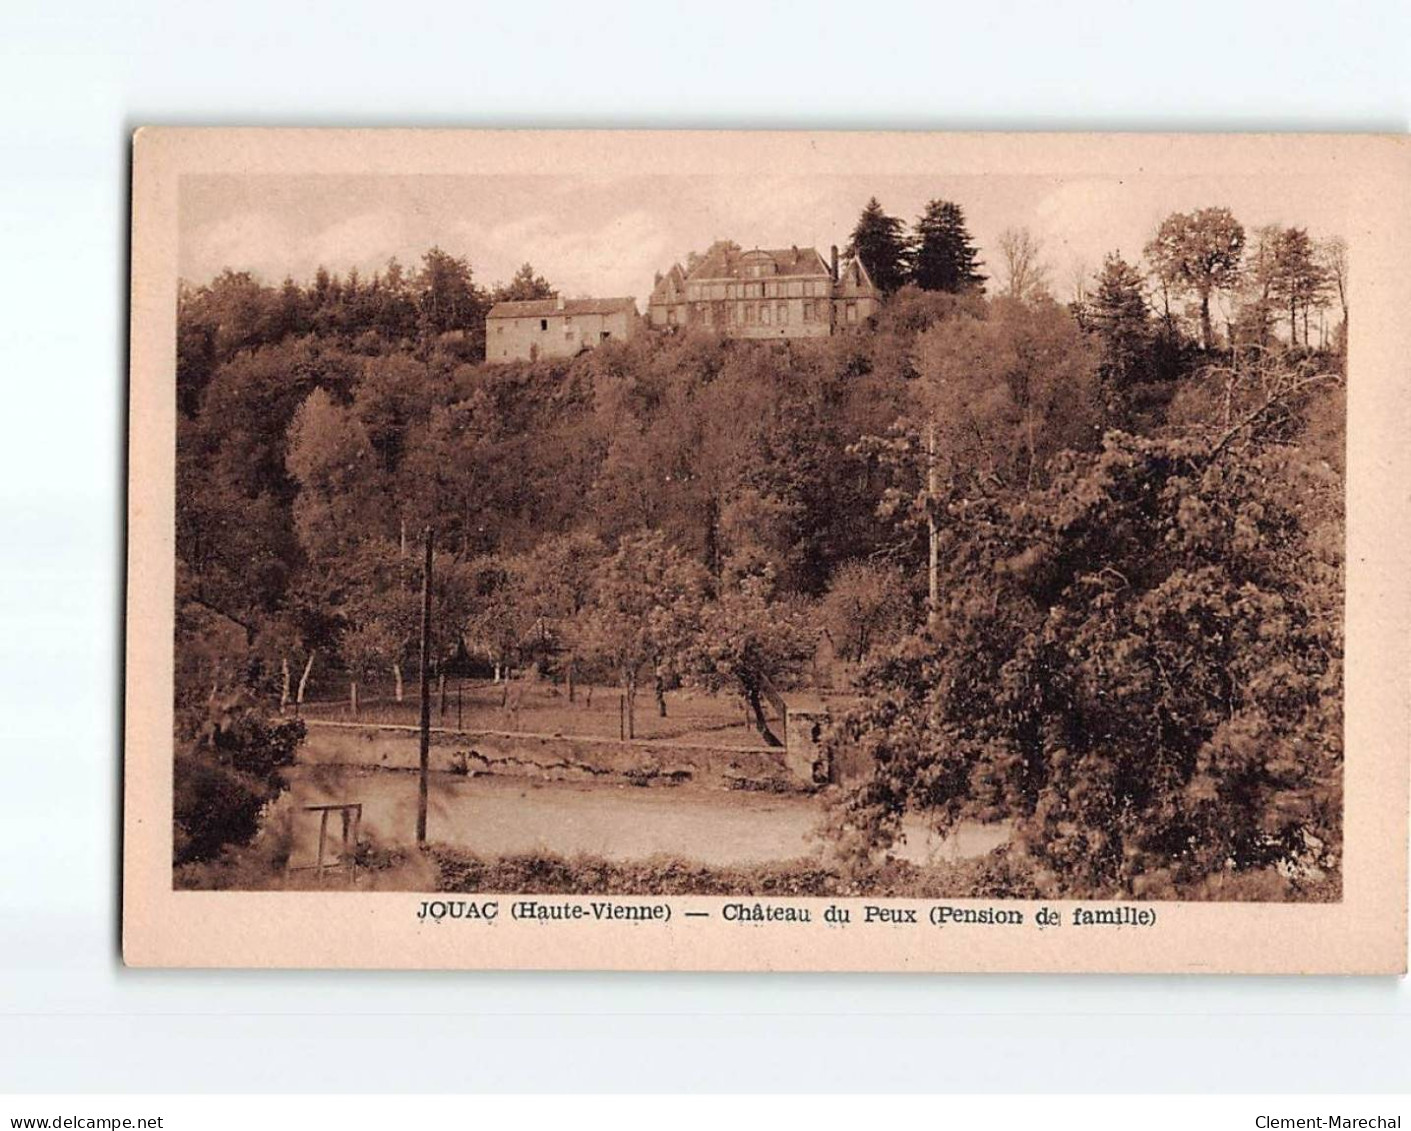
[556,327]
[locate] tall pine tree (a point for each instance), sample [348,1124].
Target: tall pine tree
[1119,315]
[879,241]
[946,257]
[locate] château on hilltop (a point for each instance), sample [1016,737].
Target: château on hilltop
[765,293]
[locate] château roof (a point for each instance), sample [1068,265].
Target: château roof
[735,264]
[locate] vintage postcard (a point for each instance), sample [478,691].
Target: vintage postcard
[768,551]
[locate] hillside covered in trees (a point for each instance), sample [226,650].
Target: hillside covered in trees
[1129,644]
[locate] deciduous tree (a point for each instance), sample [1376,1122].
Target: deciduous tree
[755,641]
[1198,253]
[647,599]
[865,606]
[1298,277]
[1026,275]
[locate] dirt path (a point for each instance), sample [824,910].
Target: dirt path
[501,816]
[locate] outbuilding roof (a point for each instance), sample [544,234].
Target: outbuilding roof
[545,307]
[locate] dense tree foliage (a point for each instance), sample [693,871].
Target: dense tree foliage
[1134,653]
[1140,667]
[524,287]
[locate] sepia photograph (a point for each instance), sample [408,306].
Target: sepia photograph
[892,535]
[745,565]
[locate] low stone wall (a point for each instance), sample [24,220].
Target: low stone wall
[553,757]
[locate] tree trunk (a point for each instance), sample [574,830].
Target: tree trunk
[304,679]
[660,690]
[353,696]
[761,723]
[284,681]
[571,689]
[397,680]
[1207,332]
[631,705]
[712,536]
[1029,428]
[1293,322]
[441,692]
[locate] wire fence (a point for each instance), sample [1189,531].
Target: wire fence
[534,707]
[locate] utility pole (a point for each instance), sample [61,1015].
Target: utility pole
[425,760]
[933,588]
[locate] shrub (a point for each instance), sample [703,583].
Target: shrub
[542,873]
[246,866]
[224,779]
[214,805]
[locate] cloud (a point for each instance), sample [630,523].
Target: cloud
[367,240]
[1084,220]
[607,235]
[613,257]
[249,240]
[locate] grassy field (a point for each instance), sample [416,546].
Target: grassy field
[544,708]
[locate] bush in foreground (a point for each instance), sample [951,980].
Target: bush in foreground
[538,873]
[225,777]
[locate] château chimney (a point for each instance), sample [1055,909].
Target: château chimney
[558,301]
[834,267]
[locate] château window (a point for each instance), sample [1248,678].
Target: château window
[543,324]
[783,313]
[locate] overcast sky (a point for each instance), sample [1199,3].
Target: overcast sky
[606,236]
